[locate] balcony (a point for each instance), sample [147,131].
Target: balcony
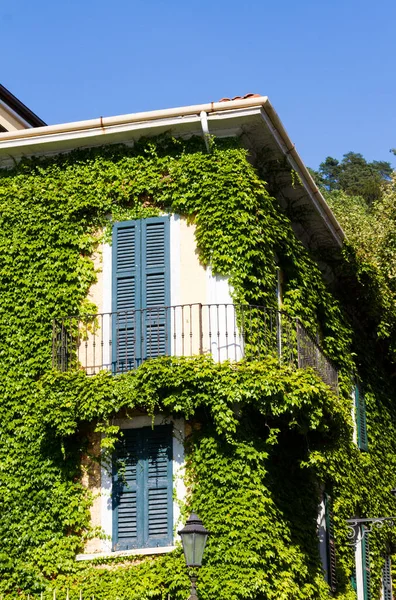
[122,341]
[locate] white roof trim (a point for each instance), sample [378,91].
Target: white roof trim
[183,121]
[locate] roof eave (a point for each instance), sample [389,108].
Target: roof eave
[19,108]
[225,119]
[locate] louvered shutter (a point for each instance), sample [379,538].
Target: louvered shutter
[331,555]
[353,580]
[155,286]
[127,486]
[366,567]
[158,503]
[360,407]
[142,489]
[126,296]
[387,579]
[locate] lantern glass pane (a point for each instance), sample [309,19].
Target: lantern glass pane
[200,541]
[188,547]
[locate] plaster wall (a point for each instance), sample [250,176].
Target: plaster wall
[92,481]
[90,349]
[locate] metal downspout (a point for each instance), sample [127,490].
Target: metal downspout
[205,129]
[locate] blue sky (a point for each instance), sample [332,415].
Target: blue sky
[326,65]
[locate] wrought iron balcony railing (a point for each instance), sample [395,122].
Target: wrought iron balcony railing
[122,341]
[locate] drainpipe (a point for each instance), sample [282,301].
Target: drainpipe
[205,128]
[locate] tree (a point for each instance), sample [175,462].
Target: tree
[371,231]
[355,176]
[330,171]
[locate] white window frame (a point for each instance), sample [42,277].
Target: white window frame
[179,488]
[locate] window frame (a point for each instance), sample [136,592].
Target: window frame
[362,565]
[325,532]
[178,486]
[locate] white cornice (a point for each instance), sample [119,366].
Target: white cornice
[233,117]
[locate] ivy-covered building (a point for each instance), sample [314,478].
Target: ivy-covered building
[184,327]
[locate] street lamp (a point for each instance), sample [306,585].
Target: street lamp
[193,536]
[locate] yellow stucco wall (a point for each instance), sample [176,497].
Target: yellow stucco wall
[193,277]
[192,292]
[92,480]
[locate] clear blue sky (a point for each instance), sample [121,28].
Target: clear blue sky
[328,66]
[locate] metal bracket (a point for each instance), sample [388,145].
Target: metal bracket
[358,528]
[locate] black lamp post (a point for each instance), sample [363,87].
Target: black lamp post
[193,536]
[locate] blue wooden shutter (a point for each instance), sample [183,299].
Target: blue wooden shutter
[143,489]
[126,295]
[387,579]
[366,567]
[331,555]
[156,286]
[360,408]
[158,497]
[127,486]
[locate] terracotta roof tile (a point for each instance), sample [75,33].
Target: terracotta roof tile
[245,97]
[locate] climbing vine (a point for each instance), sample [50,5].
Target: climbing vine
[264,439]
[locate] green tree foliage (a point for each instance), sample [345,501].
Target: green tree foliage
[329,173]
[354,176]
[371,229]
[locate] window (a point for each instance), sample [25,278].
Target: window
[141,291]
[361,579]
[387,579]
[366,567]
[360,417]
[326,541]
[142,489]
[331,556]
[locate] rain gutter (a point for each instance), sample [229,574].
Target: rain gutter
[107,125]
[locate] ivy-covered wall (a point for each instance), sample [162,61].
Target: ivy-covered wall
[267,439]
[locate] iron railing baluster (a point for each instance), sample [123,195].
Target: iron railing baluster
[101,341]
[200,328]
[218,333]
[182,331]
[226,330]
[94,345]
[191,333]
[256,332]
[174,330]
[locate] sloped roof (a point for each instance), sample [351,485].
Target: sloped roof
[21,109]
[252,118]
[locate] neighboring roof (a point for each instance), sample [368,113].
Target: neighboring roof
[252,118]
[17,106]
